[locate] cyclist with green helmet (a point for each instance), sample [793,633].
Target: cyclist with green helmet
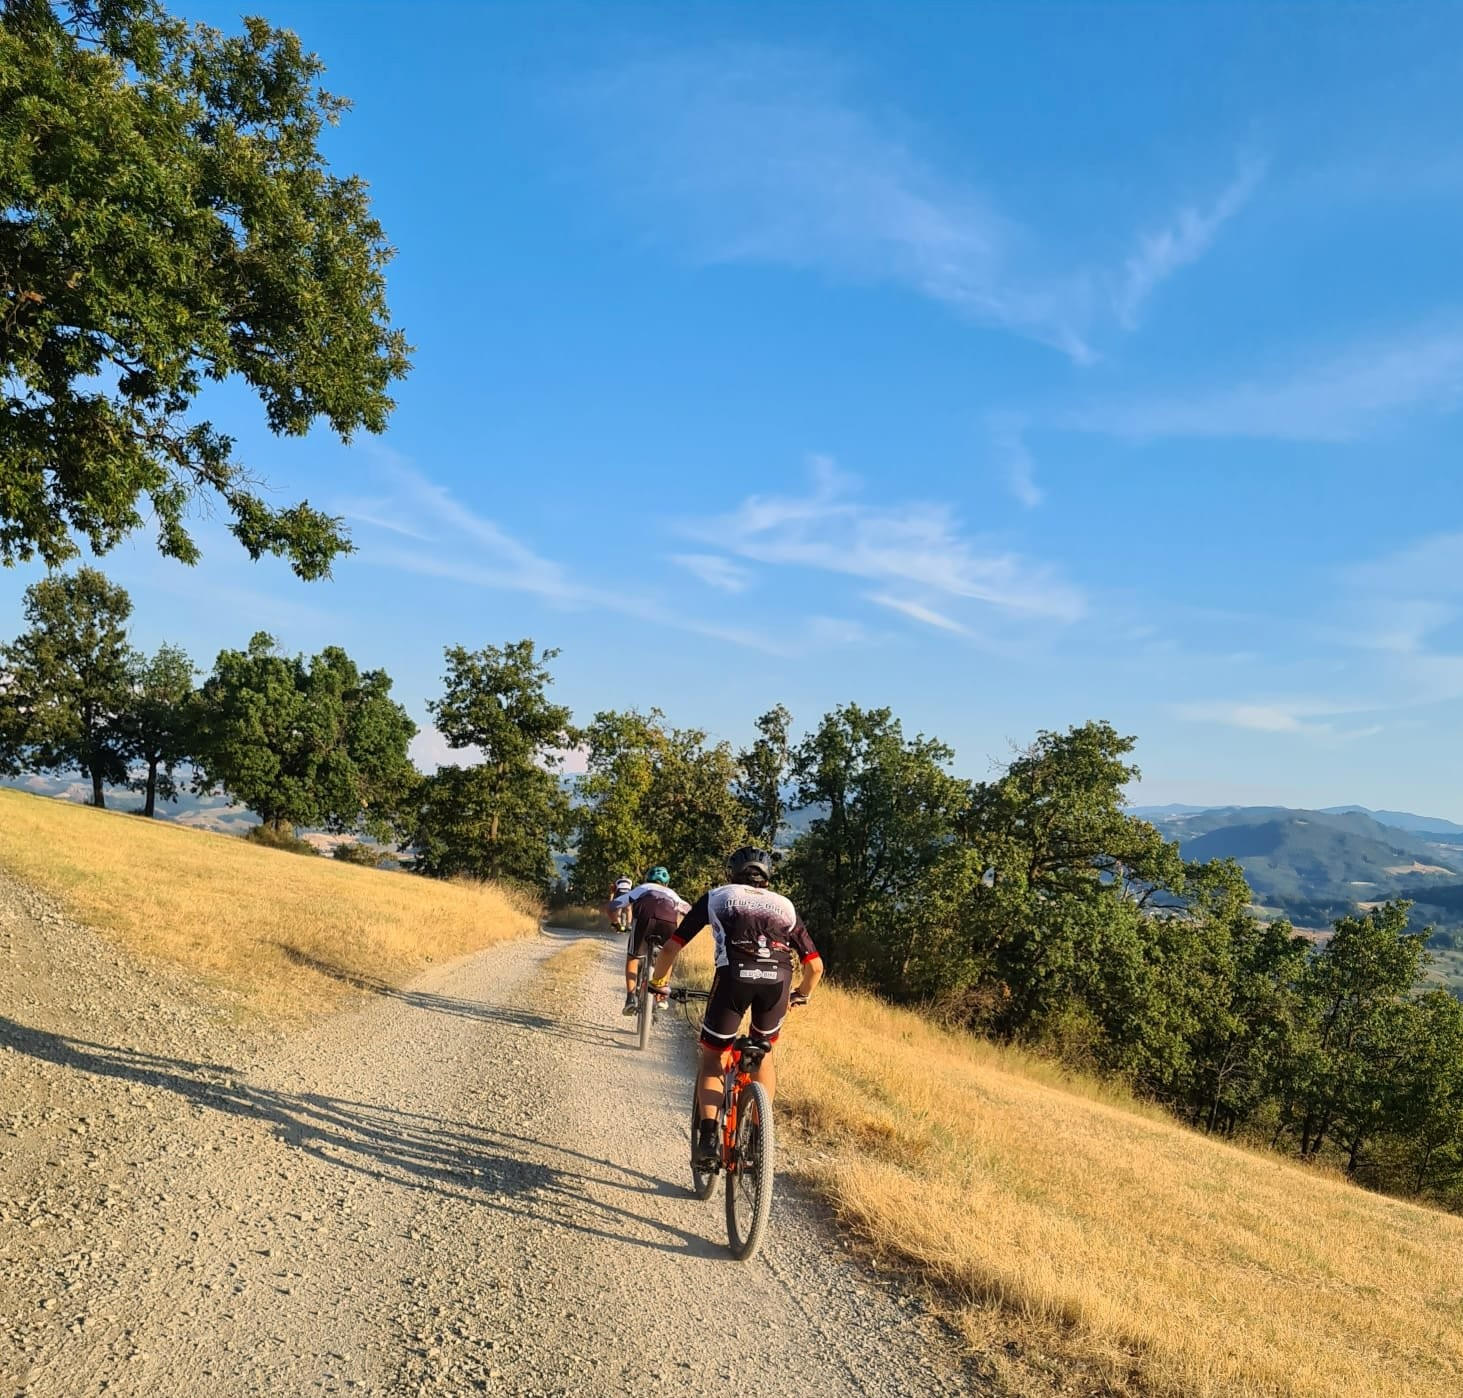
[658,910]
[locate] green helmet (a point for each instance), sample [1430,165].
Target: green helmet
[659,874]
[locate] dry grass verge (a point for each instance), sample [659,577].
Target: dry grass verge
[289,936]
[578,919]
[1077,1227]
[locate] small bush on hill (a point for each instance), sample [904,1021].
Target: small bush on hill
[271,838]
[372,856]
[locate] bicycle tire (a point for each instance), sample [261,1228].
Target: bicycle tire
[749,1181]
[701,1185]
[642,1004]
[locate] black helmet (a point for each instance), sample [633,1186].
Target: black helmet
[749,861]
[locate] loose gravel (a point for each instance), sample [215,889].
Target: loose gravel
[473,1185]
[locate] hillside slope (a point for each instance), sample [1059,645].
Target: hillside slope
[272,931]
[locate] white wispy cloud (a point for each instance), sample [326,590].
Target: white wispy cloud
[1332,399]
[918,612]
[759,154]
[1272,716]
[1388,636]
[468,548]
[1180,243]
[714,570]
[916,546]
[1008,440]
[1430,567]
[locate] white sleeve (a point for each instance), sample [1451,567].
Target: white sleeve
[623,901]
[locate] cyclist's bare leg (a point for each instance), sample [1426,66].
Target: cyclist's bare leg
[766,1074]
[709,1081]
[632,970]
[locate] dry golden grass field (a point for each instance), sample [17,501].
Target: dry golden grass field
[1076,1226]
[284,932]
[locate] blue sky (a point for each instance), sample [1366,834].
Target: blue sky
[1007,365]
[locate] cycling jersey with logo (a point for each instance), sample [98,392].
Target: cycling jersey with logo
[751,926]
[653,901]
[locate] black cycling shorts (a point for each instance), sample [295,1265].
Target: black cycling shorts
[761,987]
[645,930]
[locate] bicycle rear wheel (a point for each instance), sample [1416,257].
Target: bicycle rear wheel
[749,1180]
[642,1003]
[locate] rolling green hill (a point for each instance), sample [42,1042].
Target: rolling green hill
[1315,866]
[1297,857]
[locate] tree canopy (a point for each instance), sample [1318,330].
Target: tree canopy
[502,816]
[304,743]
[66,682]
[158,726]
[654,794]
[167,220]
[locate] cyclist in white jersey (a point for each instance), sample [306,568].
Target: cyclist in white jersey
[657,909]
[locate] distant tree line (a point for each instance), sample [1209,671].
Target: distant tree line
[1030,907]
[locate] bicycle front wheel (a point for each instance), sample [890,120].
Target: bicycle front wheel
[749,1180]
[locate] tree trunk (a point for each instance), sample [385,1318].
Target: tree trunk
[98,796]
[149,808]
[1427,1157]
[1352,1154]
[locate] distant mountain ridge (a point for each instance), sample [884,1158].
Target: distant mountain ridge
[1314,866]
[1400,820]
[1404,820]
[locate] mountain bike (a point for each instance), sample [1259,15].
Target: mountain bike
[744,1129]
[644,1000]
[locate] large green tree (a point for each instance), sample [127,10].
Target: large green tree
[762,773]
[167,219]
[878,875]
[304,743]
[1069,876]
[502,816]
[66,682]
[158,725]
[1343,1084]
[654,794]
[1429,1119]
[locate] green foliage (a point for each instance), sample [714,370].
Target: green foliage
[317,744]
[881,873]
[368,856]
[166,220]
[158,726]
[1343,1080]
[654,795]
[501,817]
[66,682]
[1068,874]
[762,771]
[282,838]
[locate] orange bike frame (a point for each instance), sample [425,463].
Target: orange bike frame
[740,1078]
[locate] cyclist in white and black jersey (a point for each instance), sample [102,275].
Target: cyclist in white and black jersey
[759,941]
[657,910]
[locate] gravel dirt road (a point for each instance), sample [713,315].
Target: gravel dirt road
[474,1185]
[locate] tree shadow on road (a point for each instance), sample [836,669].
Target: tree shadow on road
[549,1185]
[576,1030]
